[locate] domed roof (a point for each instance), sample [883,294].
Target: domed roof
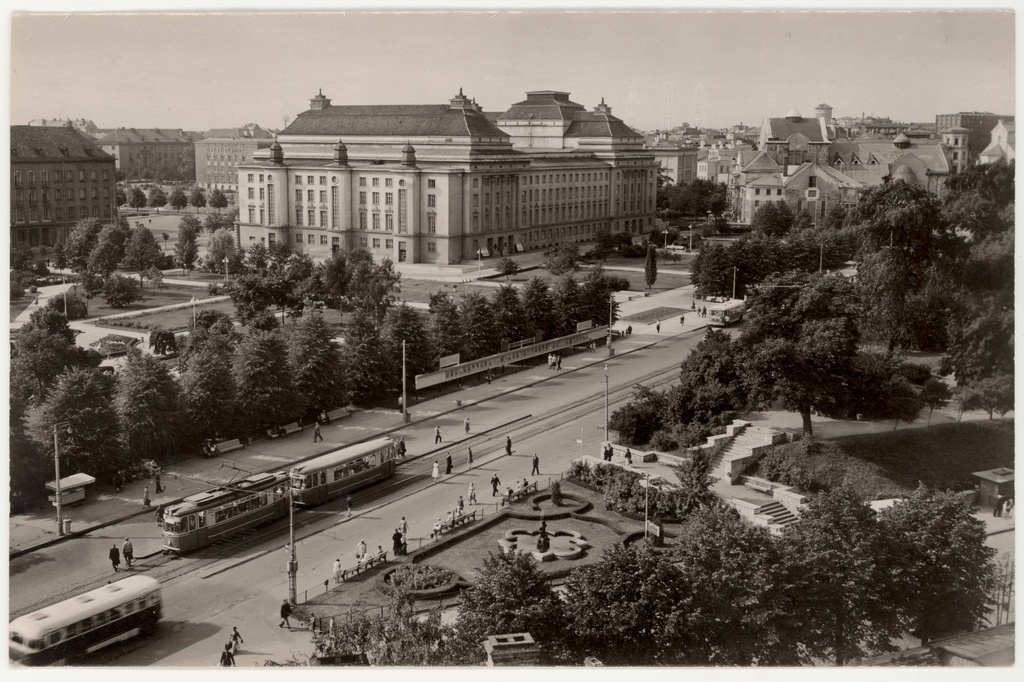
[901,138]
[793,113]
[906,174]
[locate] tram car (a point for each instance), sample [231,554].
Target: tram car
[343,470]
[68,630]
[207,517]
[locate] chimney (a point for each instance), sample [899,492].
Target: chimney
[409,156]
[517,649]
[785,162]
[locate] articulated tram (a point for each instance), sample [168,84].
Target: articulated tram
[207,517]
[86,623]
[343,470]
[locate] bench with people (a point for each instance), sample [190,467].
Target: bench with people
[365,563]
[519,493]
[452,522]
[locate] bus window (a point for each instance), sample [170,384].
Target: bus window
[202,519]
[323,478]
[307,482]
[191,522]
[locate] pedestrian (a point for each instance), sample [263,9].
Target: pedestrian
[1008,509]
[469,451]
[160,515]
[348,504]
[536,465]
[128,551]
[629,457]
[508,445]
[286,610]
[436,473]
[449,517]
[227,659]
[472,494]
[361,549]
[682,319]
[998,509]
[437,435]
[657,328]
[236,639]
[401,446]
[608,452]
[156,482]
[466,424]
[115,557]
[396,542]
[525,484]
[704,311]
[316,432]
[145,497]
[558,362]
[403,526]
[460,505]
[693,304]
[629,330]
[117,481]
[336,571]
[495,482]
[448,463]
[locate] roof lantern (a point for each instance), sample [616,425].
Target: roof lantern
[319,102]
[793,116]
[603,108]
[340,154]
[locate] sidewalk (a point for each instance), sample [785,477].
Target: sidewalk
[105,507]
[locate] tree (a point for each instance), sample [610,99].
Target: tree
[799,342]
[510,594]
[51,321]
[29,470]
[78,307]
[901,401]
[197,198]
[120,291]
[402,323]
[367,363]
[651,266]
[109,250]
[774,219]
[156,199]
[569,307]
[253,294]
[265,392]
[992,394]
[627,609]
[148,405]
[372,287]
[946,562]
[561,259]
[80,243]
[637,420]
[178,200]
[446,328]
[480,335]
[137,199]
[217,221]
[316,364]
[218,200]
[802,221]
[142,251]
[186,251]
[540,307]
[155,275]
[510,319]
[84,399]
[208,387]
[507,268]
[21,255]
[163,342]
[39,357]
[222,245]
[257,257]
[597,297]
[844,569]
[709,382]
[935,394]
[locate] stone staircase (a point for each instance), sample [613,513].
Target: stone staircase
[746,438]
[775,515]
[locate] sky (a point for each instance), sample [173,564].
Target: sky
[655,69]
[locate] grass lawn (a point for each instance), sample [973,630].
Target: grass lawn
[17,307]
[171,320]
[684,262]
[419,291]
[152,298]
[666,280]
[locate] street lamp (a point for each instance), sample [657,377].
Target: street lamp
[293,562]
[607,435]
[479,263]
[734,270]
[56,470]
[611,314]
[405,410]
[225,269]
[691,238]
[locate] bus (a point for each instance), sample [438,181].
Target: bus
[343,470]
[727,313]
[89,622]
[206,517]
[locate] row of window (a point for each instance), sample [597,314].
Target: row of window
[68,194]
[67,176]
[92,622]
[390,244]
[35,216]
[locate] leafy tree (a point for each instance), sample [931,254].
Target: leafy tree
[257,257]
[402,323]
[39,357]
[507,268]
[597,298]
[197,198]
[156,199]
[51,321]
[802,221]
[29,470]
[186,251]
[510,319]
[265,392]
[709,381]
[446,328]
[120,291]
[372,287]
[217,221]
[651,266]
[774,219]
[947,565]
[480,334]
[163,342]
[137,199]
[21,255]
[207,381]
[981,336]
[154,275]
[148,405]
[78,307]
[60,256]
[697,198]
[604,245]
[252,294]
[120,196]
[178,199]
[335,276]
[222,245]
[142,251]
[637,420]
[316,363]
[992,394]
[367,363]
[800,341]
[510,594]
[569,305]
[844,570]
[627,609]
[935,394]
[218,200]
[109,249]
[901,400]
[84,399]
[561,259]
[540,307]
[81,241]
[835,217]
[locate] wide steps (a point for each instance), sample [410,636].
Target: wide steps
[777,514]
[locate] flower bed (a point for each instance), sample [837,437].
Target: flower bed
[418,580]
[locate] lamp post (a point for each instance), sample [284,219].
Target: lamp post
[691,238]
[647,488]
[293,563]
[56,471]
[479,263]
[611,314]
[734,270]
[821,255]
[405,409]
[225,269]
[64,282]
[607,435]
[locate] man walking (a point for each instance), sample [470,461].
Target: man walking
[236,639]
[470,452]
[657,328]
[128,551]
[448,463]
[403,526]
[396,542]
[536,465]
[437,435]
[115,557]
[495,482]
[401,446]
[286,610]
[460,506]
[466,424]
[316,432]
[508,445]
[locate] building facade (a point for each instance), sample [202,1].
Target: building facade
[58,176]
[677,161]
[221,150]
[1003,144]
[82,125]
[161,153]
[978,124]
[445,183]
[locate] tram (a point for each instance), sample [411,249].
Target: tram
[207,517]
[343,470]
[89,622]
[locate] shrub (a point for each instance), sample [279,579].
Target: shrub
[32,289]
[120,291]
[40,268]
[617,283]
[556,493]
[419,577]
[915,373]
[632,251]
[664,440]
[78,307]
[213,289]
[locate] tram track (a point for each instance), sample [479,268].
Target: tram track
[170,568]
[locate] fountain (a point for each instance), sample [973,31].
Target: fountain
[561,544]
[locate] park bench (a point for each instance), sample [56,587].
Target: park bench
[460,520]
[365,564]
[274,432]
[339,413]
[229,446]
[517,495]
[759,485]
[294,427]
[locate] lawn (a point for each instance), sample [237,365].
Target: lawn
[171,320]
[419,291]
[152,298]
[666,279]
[17,307]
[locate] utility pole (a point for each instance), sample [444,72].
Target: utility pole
[611,314]
[405,409]
[821,255]
[225,269]
[734,269]
[56,471]
[293,564]
[691,238]
[607,435]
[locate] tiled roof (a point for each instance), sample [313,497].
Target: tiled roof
[762,162]
[44,142]
[782,128]
[237,133]
[885,153]
[840,178]
[597,124]
[544,106]
[767,180]
[401,120]
[146,136]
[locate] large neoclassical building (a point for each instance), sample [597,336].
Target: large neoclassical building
[440,183]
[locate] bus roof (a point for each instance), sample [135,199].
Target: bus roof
[216,496]
[729,305]
[37,624]
[342,455]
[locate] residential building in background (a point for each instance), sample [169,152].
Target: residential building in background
[1003,143]
[159,153]
[715,163]
[979,124]
[678,161]
[442,183]
[82,125]
[58,176]
[221,150]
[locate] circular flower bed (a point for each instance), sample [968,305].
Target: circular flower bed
[418,580]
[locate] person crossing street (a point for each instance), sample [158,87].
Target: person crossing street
[495,482]
[508,445]
[536,465]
